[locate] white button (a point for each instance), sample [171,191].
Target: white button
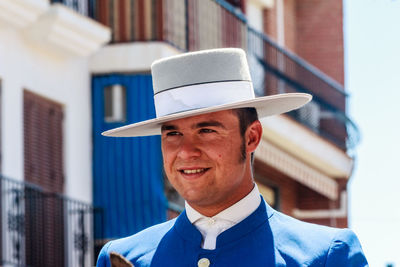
[211,221]
[203,262]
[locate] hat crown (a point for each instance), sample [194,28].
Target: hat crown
[207,66]
[199,80]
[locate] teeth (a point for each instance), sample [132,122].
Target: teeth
[193,171]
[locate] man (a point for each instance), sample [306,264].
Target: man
[207,116]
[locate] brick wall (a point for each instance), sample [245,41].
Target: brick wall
[293,195]
[287,186]
[270,22]
[334,222]
[314,31]
[311,200]
[290,24]
[320,35]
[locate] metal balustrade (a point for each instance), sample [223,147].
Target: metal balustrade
[82,7]
[276,70]
[43,229]
[191,25]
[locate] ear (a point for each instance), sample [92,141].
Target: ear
[253,136]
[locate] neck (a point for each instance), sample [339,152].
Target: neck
[215,208]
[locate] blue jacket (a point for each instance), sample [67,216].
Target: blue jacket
[265,238]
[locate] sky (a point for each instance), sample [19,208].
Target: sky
[372,67]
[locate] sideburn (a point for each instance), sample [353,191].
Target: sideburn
[243,155]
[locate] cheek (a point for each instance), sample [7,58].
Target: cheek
[167,154]
[166,163]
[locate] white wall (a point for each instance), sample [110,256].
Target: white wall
[129,57]
[64,79]
[254,12]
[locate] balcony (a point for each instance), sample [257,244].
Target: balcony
[190,25]
[43,229]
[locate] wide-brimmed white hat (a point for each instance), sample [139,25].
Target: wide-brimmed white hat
[201,82]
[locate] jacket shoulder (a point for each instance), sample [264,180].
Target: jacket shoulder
[345,250]
[315,245]
[138,248]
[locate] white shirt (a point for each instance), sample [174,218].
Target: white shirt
[211,227]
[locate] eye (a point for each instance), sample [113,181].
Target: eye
[207,130]
[173,133]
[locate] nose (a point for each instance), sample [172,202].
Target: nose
[188,149]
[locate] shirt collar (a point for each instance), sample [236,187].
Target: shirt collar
[235,213]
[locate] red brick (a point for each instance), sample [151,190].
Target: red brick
[320,35]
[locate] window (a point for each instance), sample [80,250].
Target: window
[44,167]
[115,103]
[270,194]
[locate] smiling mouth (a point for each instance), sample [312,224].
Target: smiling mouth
[194,171]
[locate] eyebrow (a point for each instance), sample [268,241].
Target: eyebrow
[168,127]
[208,124]
[171,127]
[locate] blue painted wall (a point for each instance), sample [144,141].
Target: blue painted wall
[127,172]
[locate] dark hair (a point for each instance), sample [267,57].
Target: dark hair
[246,117]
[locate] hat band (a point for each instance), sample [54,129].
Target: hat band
[202,96]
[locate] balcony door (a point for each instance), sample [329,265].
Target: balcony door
[127,172]
[43,166]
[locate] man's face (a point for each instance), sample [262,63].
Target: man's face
[202,159]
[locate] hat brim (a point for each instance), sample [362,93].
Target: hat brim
[265,106]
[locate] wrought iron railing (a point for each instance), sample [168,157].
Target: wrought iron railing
[276,70]
[43,229]
[82,7]
[192,25]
